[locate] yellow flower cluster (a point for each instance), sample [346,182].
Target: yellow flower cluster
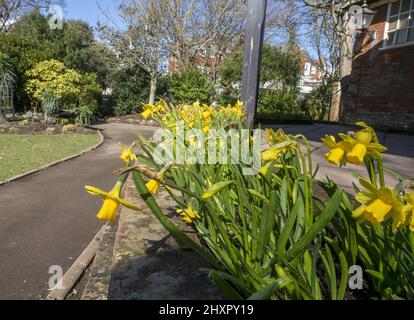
[151,110]
[236,112]
[280,143]
[354,147]
[194,115]
[189,214]
[381,204]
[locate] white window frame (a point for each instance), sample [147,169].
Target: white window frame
[387,25]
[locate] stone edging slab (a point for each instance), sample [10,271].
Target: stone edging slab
[146,261]
[29,173]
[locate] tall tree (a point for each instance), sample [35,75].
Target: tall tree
[180,29]
[333,22]
[144,42]
[11,10]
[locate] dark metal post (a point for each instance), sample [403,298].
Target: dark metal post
[255,26]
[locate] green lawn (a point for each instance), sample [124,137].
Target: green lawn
[20,154]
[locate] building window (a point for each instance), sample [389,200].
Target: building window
[400,23]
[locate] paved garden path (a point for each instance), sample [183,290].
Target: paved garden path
[48,219]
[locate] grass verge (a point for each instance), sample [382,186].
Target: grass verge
[23,153]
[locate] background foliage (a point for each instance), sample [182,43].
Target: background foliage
[190,85]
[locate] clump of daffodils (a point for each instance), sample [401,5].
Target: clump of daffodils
[353,148]
[151,111]
[377,204]
[195,115]
[280,144]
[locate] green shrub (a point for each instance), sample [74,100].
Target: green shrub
[190,85]
[130,88]
[50,103]
[63,122]
[91,92]
[84,115]
[280,104]
[123,108]
[317,103]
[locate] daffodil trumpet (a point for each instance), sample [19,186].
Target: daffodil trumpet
[379,205]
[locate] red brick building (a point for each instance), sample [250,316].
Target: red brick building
[381,90]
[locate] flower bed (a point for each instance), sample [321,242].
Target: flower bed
[268,234]
[26,127]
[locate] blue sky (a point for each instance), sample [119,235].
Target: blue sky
[89,11]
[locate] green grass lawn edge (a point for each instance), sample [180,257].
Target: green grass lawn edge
[23,153]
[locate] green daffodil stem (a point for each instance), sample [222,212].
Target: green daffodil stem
[308,202]
[308,151]
[371,170]
[177,233]
[381,172]
[123,178]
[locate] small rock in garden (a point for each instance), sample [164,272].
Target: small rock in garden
[50,130]
[69,128]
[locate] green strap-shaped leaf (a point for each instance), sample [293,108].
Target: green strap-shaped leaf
[287,229]
[267,292]
[324,218]
[171,227]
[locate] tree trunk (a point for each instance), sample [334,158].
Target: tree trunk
[339,99]
[153,89]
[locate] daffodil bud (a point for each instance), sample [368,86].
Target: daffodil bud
[216,188]
[364,136]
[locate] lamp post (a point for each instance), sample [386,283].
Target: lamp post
[367,16]
[253,44]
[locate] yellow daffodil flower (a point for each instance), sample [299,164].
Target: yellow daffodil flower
[206,129]
[238,110]
[409,210]
[207,114]
[338,150]
[280,140]
[354,148]
[149,110]
[365,142]
[264,170]
[189,214]
[269,135]
[357,154]
[271,154]
[111,202]
[377,205]
[127,154]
